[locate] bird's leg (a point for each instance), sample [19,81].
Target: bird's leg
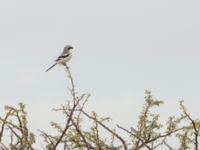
[66,66]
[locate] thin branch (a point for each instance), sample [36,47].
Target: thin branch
[170,148]
[3,124]
[196,132]
[48,137]
[80,133]
[73,109]
[97,134]
[67,125]
[105,127]
[3,146]
[129,132]
[144,143]
[72,83]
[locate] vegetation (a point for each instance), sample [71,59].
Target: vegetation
[149,132]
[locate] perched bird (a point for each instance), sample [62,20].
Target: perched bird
[64,57]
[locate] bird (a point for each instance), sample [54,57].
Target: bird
[64,57]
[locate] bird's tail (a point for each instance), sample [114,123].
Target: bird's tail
[50,67]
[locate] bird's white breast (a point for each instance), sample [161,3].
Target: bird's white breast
[65,60]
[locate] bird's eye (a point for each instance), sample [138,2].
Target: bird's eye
[70,48]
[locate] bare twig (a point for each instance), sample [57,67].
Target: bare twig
[105,127]
[3,124]
[82,136]
[170,148]
[193,124]
[144,143]
[134,135]
[73,92]
[75,101]
[67,125]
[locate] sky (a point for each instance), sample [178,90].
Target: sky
[122,48]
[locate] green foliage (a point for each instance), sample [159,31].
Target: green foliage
[149,132]
[15,122]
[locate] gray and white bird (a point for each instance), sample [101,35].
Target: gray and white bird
[64,57]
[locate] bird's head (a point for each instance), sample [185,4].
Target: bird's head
[68,47]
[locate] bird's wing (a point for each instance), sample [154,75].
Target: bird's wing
[62,56]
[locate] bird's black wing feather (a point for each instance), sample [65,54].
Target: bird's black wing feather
[63,56]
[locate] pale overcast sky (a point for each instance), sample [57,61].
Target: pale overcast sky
[122,48]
